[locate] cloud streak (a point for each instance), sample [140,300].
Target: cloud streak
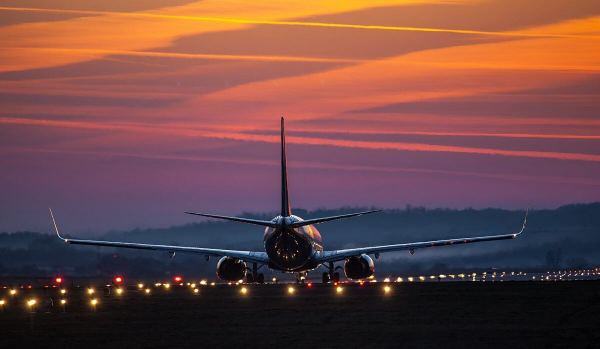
[327,166]
[400,146]
[305,24]
[189,55]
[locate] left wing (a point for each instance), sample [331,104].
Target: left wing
[249,256]
[338,255]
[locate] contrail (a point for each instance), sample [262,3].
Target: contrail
[191,55]
[303,24]
[401,146]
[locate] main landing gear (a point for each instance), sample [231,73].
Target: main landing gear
[254,275]
[300,277]
[332,275]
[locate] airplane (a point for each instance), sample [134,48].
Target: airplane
[292,244]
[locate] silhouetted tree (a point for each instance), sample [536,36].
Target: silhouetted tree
[554,259]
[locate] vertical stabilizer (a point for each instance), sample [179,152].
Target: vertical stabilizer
[285,202]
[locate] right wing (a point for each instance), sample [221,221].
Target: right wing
[250,256]
[338,255]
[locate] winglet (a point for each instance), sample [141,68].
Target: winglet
[55,227]
[524,221]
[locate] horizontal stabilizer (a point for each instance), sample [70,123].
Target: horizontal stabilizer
[236,219]
[332,218]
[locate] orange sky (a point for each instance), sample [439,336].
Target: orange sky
[131,113]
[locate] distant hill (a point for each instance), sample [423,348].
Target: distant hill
[568,236]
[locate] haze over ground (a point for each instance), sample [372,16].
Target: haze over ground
[123,115]
[567,237]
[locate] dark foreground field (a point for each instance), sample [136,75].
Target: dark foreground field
[422,315]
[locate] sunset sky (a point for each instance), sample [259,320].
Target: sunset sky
[123,114]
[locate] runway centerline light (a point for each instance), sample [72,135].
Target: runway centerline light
[290,290]
[31,302]
[94,302]
[91,291]
[63,291]
[244,290]
[140,286]
[13,292]
[196,290]
[148,291]
[339,289]
[119,290]
[2,302]
[387,289]
[62,301]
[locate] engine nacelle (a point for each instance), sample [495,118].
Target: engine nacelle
[359,267]
[231,269]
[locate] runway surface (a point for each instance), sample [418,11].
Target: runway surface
[419,315]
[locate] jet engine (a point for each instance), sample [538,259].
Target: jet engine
[359,267]
[231,269]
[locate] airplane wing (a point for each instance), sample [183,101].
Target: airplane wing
[249,256]
[338,255]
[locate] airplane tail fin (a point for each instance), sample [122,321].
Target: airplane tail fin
[285,202]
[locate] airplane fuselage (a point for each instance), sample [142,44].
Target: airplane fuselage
[292,249]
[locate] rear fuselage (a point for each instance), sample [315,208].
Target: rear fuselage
[292,249]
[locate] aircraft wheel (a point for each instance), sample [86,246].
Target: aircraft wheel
[260,278]
[249,278]
[336,277]
[325,277]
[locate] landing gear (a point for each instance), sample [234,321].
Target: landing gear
[332,275]
[255,276]
[300,277]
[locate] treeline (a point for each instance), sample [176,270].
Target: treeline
[567,237]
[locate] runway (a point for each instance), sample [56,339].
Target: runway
[411,315]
